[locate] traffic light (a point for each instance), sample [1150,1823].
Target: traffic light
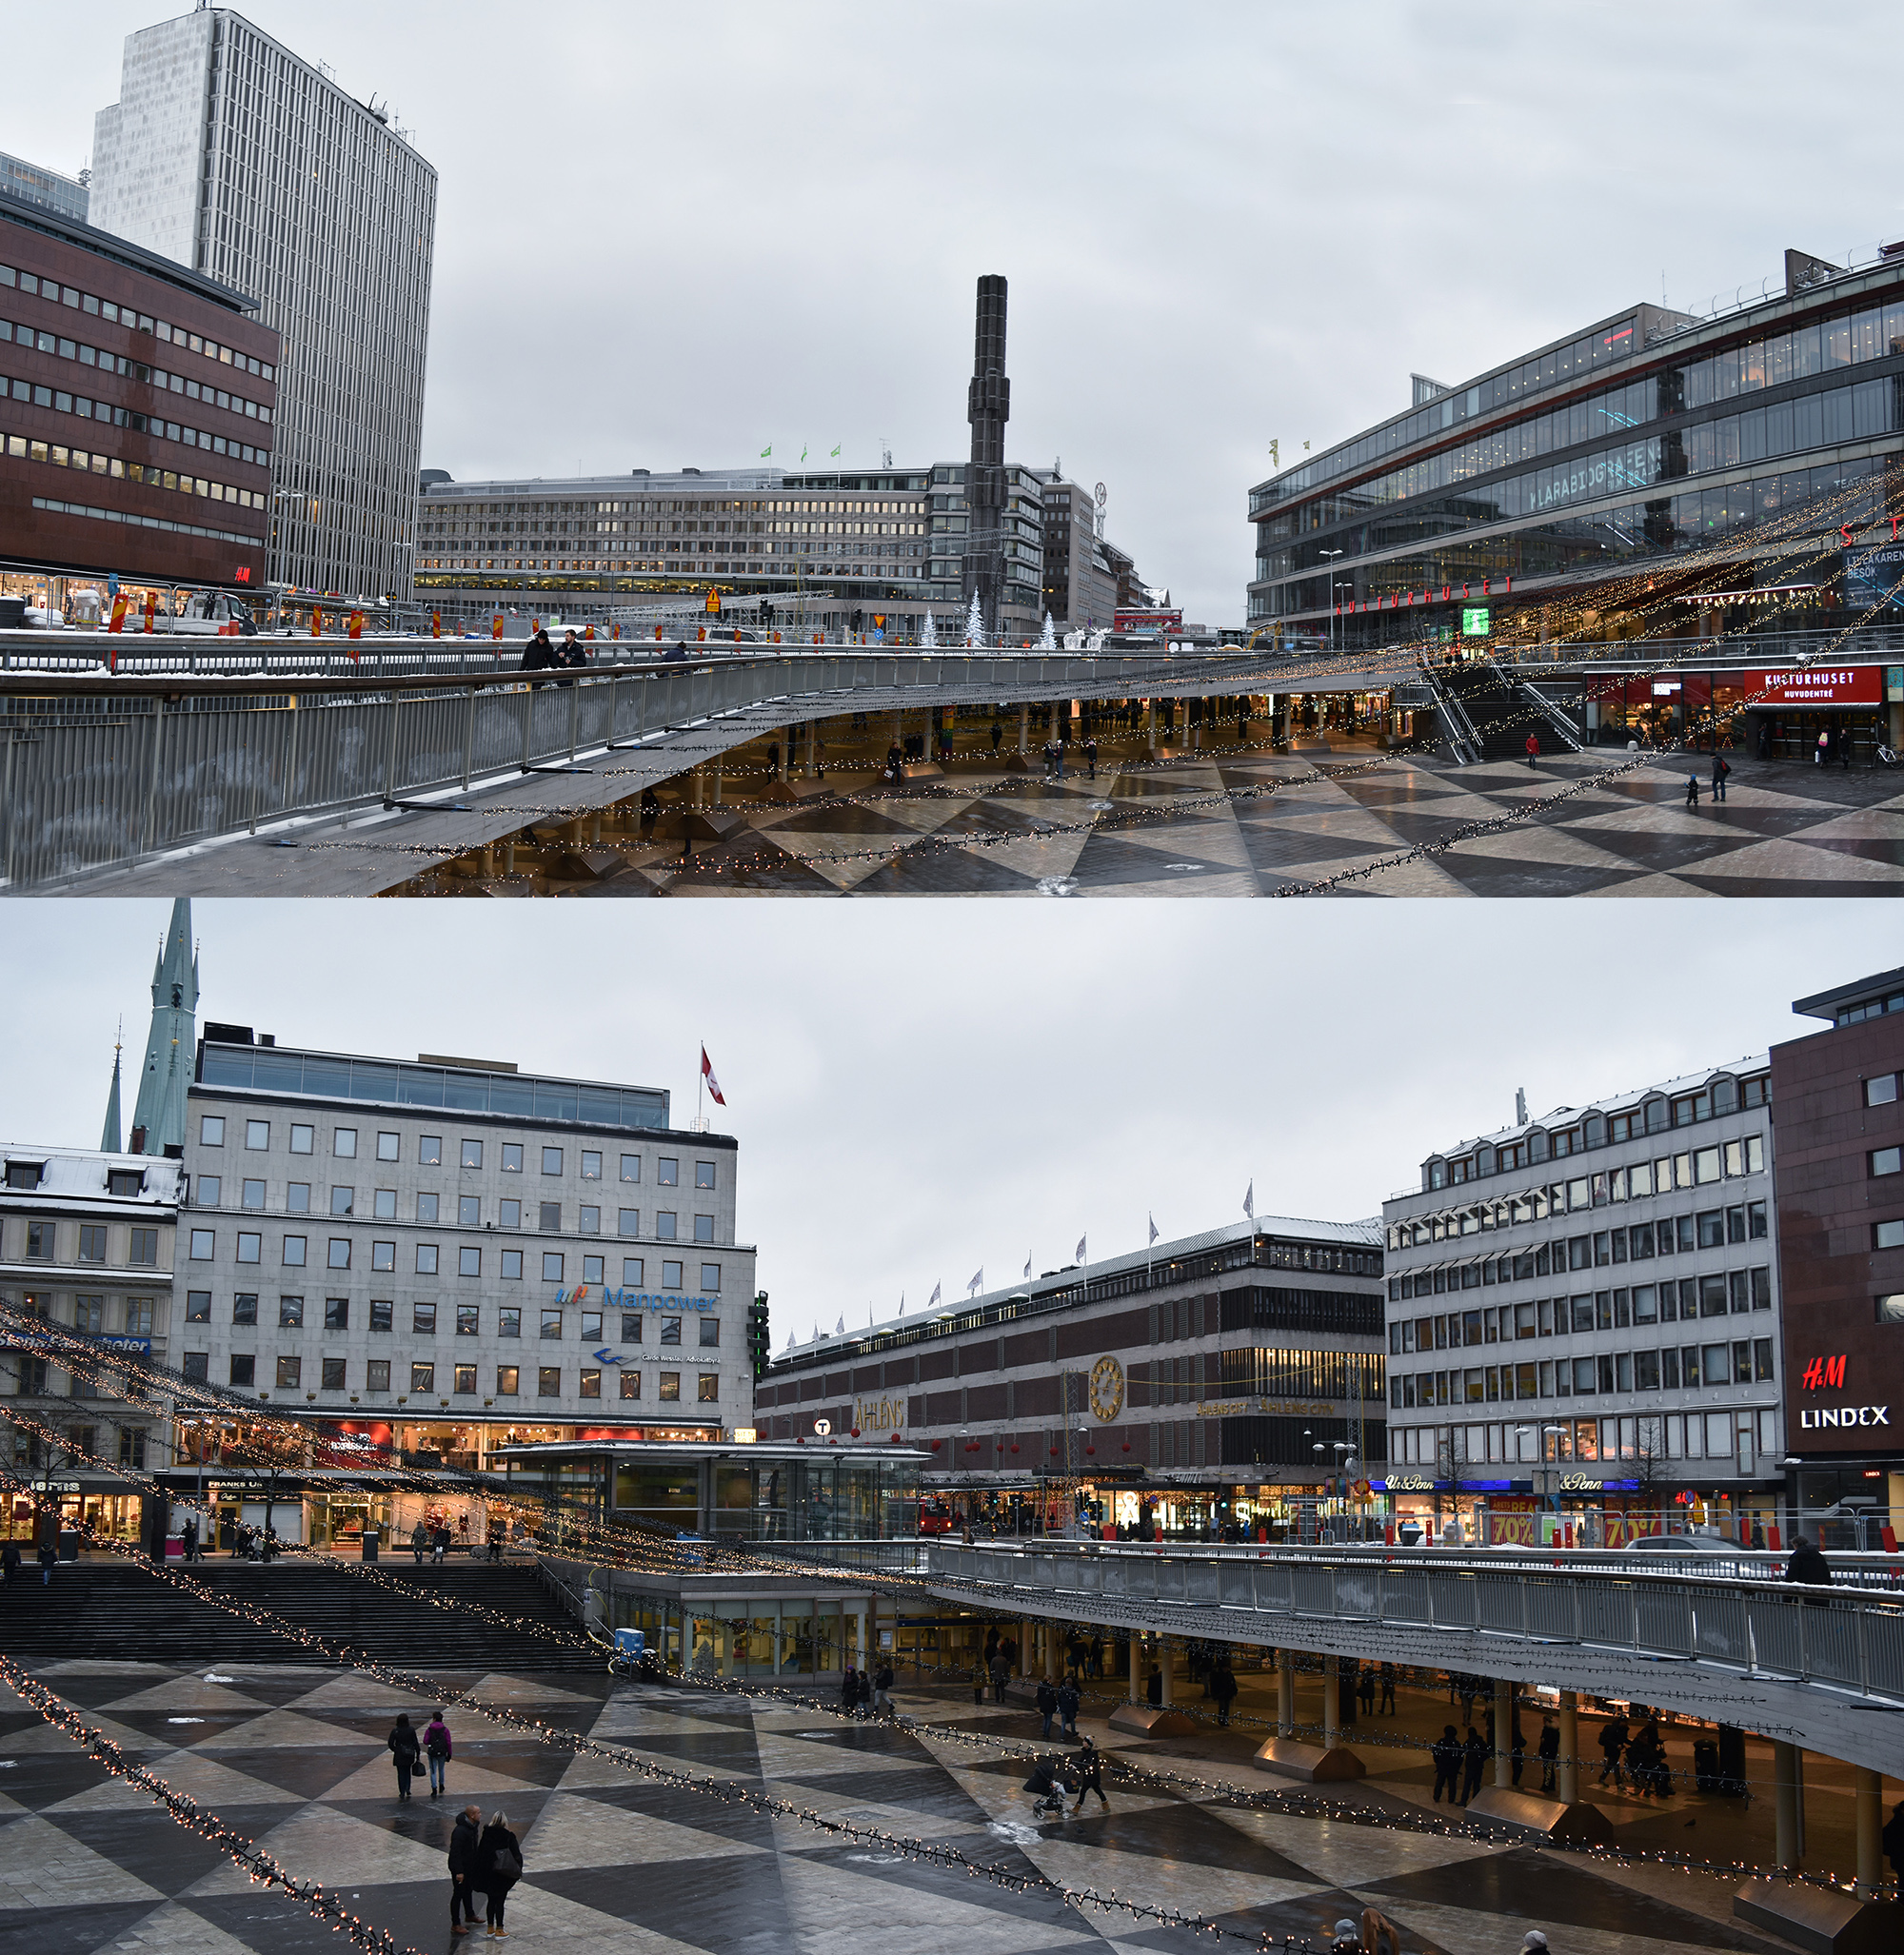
[859,621]
[766,612]
[759,1349]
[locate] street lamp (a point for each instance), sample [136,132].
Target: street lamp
[1330,554]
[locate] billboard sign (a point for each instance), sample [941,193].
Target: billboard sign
[1165,622]
[1874,578]
[1474,621]
[1814,686]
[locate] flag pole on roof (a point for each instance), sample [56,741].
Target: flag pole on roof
[1249,1199]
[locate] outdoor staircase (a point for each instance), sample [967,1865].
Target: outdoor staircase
[1501,718]
[109,1610]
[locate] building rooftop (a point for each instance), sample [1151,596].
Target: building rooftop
[1056,1286]
[1864,997]
[236,1065]
[70,230]
[73,1174]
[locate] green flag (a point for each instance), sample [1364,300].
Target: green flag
[767,451]
[836,454]
[803,451]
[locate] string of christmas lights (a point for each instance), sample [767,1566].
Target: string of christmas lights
[260,1867]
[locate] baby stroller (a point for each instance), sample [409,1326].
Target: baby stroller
[1048,1784]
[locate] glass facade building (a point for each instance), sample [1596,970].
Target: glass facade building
[1648,436]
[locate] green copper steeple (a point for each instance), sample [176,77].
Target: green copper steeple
[158,1120]
[110,1141]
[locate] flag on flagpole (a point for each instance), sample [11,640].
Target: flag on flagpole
[1249,1199]
[933,1299]
[901,1303]
[1027,1268]
[977,1283]
[803,451]
[707,1074]
[841,1331]
[1151,1219]
[1080,1248]
[836,454]
[767,451]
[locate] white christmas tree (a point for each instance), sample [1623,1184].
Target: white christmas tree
[929,638]
[1049,641]
[974,624]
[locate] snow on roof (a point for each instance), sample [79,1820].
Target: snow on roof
[72,1173]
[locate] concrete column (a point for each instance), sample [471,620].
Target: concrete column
[575,833]
[510,856]
[1786,1766]
[1167,1663]
[1868,1794]
[1136,1663]
[1285,1694]
[700,786]
[1332,1704]
[1568,1780]
[595,827]
[1024,728]
[1503,1733]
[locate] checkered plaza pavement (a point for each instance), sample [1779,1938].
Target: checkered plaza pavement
[1252,823]
[294,1757]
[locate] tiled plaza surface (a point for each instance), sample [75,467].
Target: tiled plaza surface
[1190,825]
[294,1757]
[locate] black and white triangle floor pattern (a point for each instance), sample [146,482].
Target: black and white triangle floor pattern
[1784,830]
[295,1757]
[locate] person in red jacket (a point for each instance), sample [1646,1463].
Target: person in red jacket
[1533,748]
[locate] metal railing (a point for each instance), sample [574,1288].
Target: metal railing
[99,769]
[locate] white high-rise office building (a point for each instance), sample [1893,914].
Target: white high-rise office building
[228,153]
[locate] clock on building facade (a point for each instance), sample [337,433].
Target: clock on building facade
[1107,1387]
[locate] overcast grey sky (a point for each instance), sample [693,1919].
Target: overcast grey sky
[921,1089]
[673,234]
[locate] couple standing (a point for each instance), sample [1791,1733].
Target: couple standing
[485,1860]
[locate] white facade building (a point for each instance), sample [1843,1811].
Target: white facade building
[86,1243]
[1588,1304]
[450,1255]
[228,153]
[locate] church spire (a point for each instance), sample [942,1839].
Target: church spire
[110,1141]
[158,1120]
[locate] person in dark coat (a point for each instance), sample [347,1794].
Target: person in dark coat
[1548,1751]
[1446,1752]
[1154,1690]
[1721,769]
[498,1867]
[849,1690]
[680,651]
[1087,1773]
[1807,1564]
[405,1750]
[1613,1744]
[462,1842]
[1223,1688]
[1893,1839]
[1068,1699]
[1046,1701]
[1475,1753]
[10,1561]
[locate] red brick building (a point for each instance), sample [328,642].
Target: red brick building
[138,403]
[1838,1098]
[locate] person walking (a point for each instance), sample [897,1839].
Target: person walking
[1548,1751]
[464,1839]
[405,1751]
[1691,790]
[1087,1774]
[1822,752]
[1446,1752]
[1387,1691]
[437,1749]
[441,1544]
[1475,1754]
[980,1673]
[498,1867]
[882,1683]
[1223,1688]
[1365,1687]
[1613,1745]
[1046,1701]
[1807,1564]
[1091,756]
[1721,772]
[849,1690]
[866,1691]
[1533,748]
[1068,1699]
[1000,1676]
[49,1554]
[189,1540]
[419,1541]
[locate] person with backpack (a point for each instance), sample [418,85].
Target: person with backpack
[437,1749]
[498,1867]
[1721,771]
[405,1751]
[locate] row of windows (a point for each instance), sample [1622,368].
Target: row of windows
[1730,1293]
[1674,1368]
[333,1375]
[252,1194]
[1637,1181]
[437,519]
[1598,1130]
[1815,347]
[1269,1373]
[40,341]
[22,447]
[1653,1437]
[389,1147]
[95,1315]
[294,1253]
[55,294]
[1639,1242]
[466,1318]
[1876,1008]
[142,1245]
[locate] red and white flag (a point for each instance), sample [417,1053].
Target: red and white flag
[707,1074]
